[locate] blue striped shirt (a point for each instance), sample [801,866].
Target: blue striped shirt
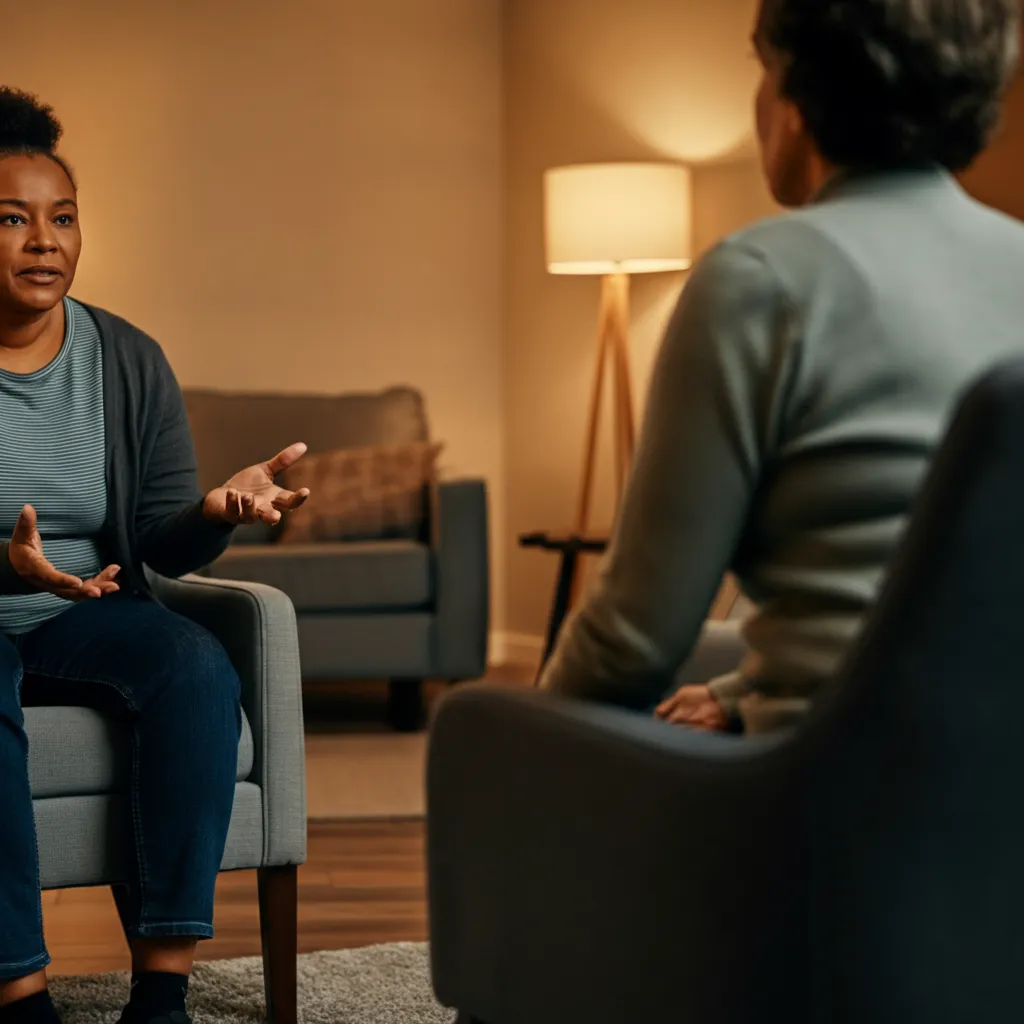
[52,456]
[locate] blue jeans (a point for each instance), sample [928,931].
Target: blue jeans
[171,683]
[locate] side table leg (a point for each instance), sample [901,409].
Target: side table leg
[560,604]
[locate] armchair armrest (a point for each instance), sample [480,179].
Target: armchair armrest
[462,579]
[719,650]
[590,864]
[256,624]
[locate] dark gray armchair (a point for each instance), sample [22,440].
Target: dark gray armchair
[595,866]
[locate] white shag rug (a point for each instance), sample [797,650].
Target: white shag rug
[375,985]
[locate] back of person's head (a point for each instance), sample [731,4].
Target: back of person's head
[892,83]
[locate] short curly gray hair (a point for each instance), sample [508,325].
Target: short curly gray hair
[887,83]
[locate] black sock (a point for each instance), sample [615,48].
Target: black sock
[34,1009]
[156,994]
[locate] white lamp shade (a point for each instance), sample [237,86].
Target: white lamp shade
[617,218]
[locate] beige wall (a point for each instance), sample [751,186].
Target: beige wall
[303,196]
[595,80]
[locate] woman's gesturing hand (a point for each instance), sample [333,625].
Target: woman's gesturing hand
[28,561]
[251,496]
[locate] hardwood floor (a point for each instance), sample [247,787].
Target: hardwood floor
[363,884]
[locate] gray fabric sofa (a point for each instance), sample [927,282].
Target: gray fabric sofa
[400,610]
[78,759]
[590,864]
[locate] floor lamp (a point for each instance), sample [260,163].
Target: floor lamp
[612,221]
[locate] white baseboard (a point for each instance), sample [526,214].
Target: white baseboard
[515,648]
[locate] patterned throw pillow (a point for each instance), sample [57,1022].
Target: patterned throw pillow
[361,493]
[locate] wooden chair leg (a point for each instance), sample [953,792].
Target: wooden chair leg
[279,927]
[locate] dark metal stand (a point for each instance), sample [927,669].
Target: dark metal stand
[569,547]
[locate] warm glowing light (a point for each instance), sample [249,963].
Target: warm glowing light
[630,218]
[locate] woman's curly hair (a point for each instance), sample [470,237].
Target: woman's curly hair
[889,83]
[29,127]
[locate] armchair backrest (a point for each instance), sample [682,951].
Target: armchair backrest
[918,805]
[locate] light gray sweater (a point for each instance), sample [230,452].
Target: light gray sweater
[804,383]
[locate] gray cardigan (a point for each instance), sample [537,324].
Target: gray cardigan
[154,504]
[803,385]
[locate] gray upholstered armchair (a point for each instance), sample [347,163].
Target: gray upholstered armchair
[77,757]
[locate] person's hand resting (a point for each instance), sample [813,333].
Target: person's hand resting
[251,496]
[695,707]
[28,561]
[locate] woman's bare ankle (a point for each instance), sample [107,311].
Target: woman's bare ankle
[20,988]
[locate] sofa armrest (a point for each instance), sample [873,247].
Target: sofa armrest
[256,624]
[460,537]
[590,864]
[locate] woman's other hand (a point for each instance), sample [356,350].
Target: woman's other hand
[693,706]
[28,561]
[251,496]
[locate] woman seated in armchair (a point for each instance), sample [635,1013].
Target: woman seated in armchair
[98,480]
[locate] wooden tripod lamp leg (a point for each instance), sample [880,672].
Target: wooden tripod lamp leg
[594,417]
[612,333]
[624,428]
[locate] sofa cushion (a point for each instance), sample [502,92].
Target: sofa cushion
[376,493]
[233,430]
[358,576]
[79,752]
